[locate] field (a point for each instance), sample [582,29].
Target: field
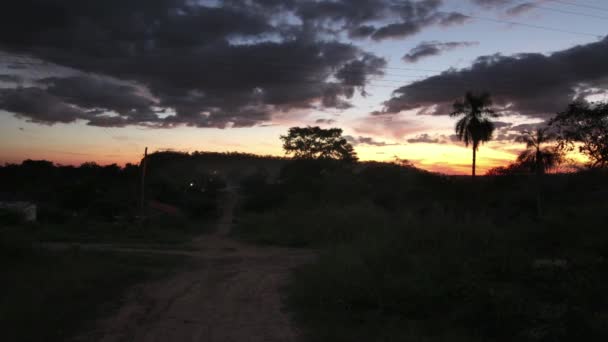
[406,255]
[387,252]
[51,296]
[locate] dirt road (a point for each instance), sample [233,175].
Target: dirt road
[231,294]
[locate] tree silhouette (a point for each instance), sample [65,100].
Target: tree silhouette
[475,126]
[536,158]
[584,125]
[317,143]
[539,159]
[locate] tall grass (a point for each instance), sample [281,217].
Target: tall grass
[418,257]
[442,282]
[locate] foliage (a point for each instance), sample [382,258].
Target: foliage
[475,126]
[584,125]
[403,257]
[509,170]
[535,157]
[107,193]
[444,281]
[318,143]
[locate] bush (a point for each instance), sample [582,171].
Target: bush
[298,226]
[471,282]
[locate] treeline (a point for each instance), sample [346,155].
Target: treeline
[62,192]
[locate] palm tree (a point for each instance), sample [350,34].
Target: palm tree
[475,126]
[538,159]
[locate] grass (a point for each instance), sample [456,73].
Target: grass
[442,282]
[444,259]
[50,296]
[308,226]
[174,232]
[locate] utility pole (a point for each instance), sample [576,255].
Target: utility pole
[144,164]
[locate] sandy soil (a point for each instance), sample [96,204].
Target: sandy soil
[231,294]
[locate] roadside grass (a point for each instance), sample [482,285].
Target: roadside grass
[297,226]
[477,282]
[51,296]
[436,266]
[160,233]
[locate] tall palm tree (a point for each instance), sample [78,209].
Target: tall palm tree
[539,159]
[474,127]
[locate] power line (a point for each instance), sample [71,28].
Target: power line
[569,3]
[371,78]
[512,83]
[546,28]
[569,12]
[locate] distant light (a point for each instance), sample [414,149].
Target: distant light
[191,185]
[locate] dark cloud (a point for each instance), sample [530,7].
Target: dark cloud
[366,141]
[502,124]
[453,18]
[533,84]
[493,3]
[527,127]
[433,48]
[9,78]
[362,31]
[513,7]
[97,101]
[36,105]
[101,94]
[232,65]
[401,30]
[325,121]
[405,17]
[521,8]
[424,138]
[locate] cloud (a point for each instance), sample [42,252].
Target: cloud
[454,18]
[521,8]
[527,127]
[232,65]
[502,124]
[513,7]
[366,141]
[395,126]
[325,121]
[493,3]
[433,48]
[9,78]
[398,19]
[38,106]
[532,84]
[424,138]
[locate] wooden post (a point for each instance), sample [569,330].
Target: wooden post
[142,201]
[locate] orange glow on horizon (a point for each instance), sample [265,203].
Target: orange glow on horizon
[442,158]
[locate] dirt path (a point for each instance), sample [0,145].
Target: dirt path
[232,294]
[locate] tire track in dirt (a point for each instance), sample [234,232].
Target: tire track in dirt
[232,293]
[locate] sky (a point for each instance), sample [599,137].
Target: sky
[100,81]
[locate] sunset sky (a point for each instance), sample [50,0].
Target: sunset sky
[101,80]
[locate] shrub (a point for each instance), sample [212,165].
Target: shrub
[294,225]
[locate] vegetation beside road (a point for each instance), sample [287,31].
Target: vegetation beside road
[51,296]
[405,254]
